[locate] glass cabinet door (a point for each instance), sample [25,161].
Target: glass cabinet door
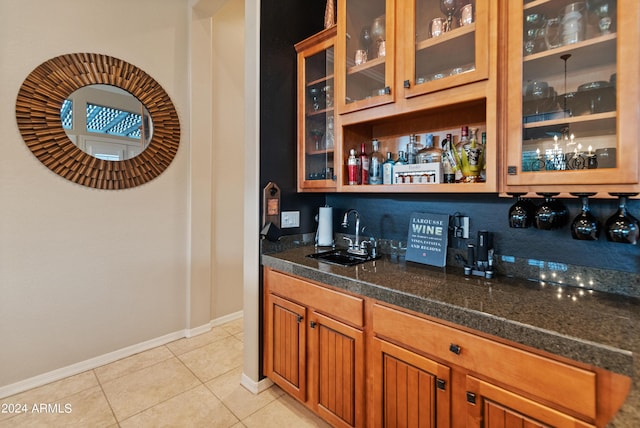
[572,93]
[366,49]
[447,44]
[316,131]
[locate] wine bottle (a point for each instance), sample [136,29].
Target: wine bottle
[364,165]
[448,161]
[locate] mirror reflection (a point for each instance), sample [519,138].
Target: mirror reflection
[106,122]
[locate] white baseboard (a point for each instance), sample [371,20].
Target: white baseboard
[253,386]
[90,364]
[227,318]
[101,360]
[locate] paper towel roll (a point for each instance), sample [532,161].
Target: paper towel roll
[325,227]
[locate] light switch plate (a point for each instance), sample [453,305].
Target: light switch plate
[290,219]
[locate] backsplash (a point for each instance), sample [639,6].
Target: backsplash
[547,255]
[387,216]
[580,279]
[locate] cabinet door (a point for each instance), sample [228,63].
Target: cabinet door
[573,94]
[316,113]
[337,358]
[285,343]
[366,51]
[492,407]
[409,389]
[445,44]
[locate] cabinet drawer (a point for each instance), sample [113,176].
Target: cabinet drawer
[555,382]
[341,306]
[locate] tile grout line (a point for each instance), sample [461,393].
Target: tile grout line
[104,394]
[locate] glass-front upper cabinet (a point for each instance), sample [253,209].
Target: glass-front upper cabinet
[365,49]
[446,44]
[573,96]
[316,112]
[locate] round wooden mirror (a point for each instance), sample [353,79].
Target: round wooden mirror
[38,115]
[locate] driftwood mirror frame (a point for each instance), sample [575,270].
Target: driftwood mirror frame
[38,116]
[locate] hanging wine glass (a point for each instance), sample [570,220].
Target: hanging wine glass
[622,226]
[522,212]
[449,8]
[551,214]
[585,226]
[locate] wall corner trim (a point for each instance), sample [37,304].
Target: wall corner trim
[253,386]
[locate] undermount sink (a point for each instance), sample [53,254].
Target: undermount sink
[342,257]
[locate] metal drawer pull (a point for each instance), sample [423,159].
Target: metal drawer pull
[455,349]
[300,319]
[471,397]
[441,383]
[312,324]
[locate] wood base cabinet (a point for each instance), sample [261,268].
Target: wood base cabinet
[310,349]
[408,389]
[493,407]
[499,385]
[357,362]
[287,362]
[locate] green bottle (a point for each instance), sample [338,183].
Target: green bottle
[387,169]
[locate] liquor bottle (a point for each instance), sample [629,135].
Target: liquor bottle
[484,155]
[429,153]
[472,149]
[402,160]
[375,164]
[461,148]
[449,164]
[352,167]
[411,149]
[387,169]
[364,165]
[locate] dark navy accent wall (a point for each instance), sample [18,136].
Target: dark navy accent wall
[283,24]
[387,216]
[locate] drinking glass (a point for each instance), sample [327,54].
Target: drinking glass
[315,97]
[378,31]
[437,27]
[604,10]
[317,134]
[551,214]
[522,212]
[585,226]
[622,226]
[365,38]
[534,33]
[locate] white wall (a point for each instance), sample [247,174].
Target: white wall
[84,272]
[228,155]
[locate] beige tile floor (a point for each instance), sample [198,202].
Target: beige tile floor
[191,382]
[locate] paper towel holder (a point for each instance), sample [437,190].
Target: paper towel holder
[325,226]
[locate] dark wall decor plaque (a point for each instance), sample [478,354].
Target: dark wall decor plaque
[428,237]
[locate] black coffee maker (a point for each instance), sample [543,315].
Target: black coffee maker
[480,256]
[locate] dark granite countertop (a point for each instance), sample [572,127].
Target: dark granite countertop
[593,327]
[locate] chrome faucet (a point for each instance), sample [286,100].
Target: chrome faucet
[355,246]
